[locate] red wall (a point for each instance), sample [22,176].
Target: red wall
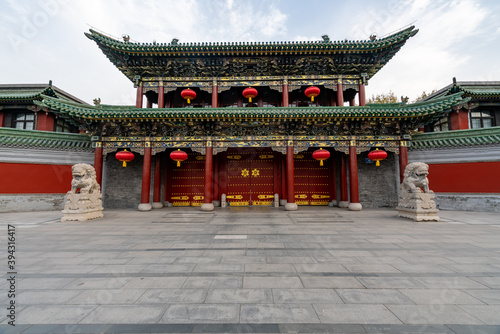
[472,177]
[34,179]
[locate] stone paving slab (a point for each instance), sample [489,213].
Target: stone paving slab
[256,270]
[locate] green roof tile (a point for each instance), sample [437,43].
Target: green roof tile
[78,111]
[457,138]
[44,140]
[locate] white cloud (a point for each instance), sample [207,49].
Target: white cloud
[438,52]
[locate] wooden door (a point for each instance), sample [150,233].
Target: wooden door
[188,181]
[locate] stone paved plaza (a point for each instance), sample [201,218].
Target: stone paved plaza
[254,270]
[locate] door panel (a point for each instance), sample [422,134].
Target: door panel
[311,180]
[238,179]
[262,178]
[188,181]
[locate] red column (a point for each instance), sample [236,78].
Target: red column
[146,181]
[403,159]
[157,203]
[149,103]
[333,179]
[284,196]
[167,179]
[340,93]
[138,98]
[352,103]
[216,197]
[354,205]
[215,95]
[2,118]
[207,200]
[290,204]
[98,157]
[285,101]
[459,119]
[45,121]
[362,94]
[344,197]
[161,95]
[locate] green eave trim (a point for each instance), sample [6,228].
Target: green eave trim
[44,140]
[228,49]
[457,138]
[28,95]
[103,112]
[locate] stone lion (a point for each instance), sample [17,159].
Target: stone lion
[415,178]
[84,178]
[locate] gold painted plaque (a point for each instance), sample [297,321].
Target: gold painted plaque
[182,198]
[265,197]
[320,196]
[234,196]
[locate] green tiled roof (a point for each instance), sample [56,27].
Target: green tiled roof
[423,109]
[457,138]
[474,89]
[44,140]
[199,59]
[25,94]
[235,49]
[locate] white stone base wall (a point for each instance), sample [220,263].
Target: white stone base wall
[468,202]
[31,202]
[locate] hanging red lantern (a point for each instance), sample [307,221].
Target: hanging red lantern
[178,156]
[124,156]
[312,92]
[377,156]
[249,93]
[188,94]
[321,155]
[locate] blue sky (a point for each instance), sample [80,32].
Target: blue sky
[43,40]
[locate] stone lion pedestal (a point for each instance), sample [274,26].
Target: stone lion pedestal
[415,200]
[83,201]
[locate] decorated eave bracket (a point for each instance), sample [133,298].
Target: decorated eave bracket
[276,143]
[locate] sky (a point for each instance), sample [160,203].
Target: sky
[44,40]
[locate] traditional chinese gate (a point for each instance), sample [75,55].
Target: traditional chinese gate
[311,180]
[187,187]
[250,177]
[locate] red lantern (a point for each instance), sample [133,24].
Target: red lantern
[188,94]
[124,156]
[249,93]
[178,156]
[312,92]
[377,156]
[321,155]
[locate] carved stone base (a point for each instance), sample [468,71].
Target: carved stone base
[343,204]
[419,215]
[291,207]
[418,206]
[157,205]
[144,207]
[355,206]
[216,203]
[332,203]
[82,207]
[81,215]
[207,207]
[283,202]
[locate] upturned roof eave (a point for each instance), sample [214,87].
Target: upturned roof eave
[130,112]
[257,47]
